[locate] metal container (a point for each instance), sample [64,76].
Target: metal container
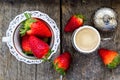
[105,19]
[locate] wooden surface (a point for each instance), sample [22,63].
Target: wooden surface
[83,67]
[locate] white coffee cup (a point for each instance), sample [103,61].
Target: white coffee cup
[86,39]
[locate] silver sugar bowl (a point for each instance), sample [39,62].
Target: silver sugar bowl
[105,19]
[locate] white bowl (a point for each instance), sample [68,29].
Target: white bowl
[13,40]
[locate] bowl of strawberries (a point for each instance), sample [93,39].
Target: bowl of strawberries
[32,37]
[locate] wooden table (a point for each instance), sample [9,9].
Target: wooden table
[83,67]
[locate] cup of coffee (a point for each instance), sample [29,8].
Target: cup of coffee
[86,39]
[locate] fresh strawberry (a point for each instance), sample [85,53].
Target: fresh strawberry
[39,48]
[34,26]
[25,44]
[73,23]
[109,57]
[62,63]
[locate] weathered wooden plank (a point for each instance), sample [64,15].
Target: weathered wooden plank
[85,67]
[10,68]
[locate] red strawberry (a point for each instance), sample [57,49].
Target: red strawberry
[39,48]
[73,23]
[62,63]
[25,44]
[34,26]
[109,57]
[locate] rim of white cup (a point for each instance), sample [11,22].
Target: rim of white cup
[74,42]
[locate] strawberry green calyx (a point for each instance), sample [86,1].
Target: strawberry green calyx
[47,55]
[80,16]
[114,63]
[28,52]
[26,24]
[23,30]
[27,15]
[59,70]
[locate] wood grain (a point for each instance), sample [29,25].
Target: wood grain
[10,68]
[83,67]
[87,67]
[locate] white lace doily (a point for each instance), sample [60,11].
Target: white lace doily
[17,20]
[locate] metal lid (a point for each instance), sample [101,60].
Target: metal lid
[105,19]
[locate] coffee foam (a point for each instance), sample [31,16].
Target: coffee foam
[86,39]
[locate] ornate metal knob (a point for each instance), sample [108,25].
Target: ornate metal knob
[105,19]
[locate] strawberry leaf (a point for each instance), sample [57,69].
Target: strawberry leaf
[31,20]
[23,30]
[47,56]
[59,70]
[81,16]
[27,15]
[49,53]
[26,26]
[28,52]
[114,63]
[45,59]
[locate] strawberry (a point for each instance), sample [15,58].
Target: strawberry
[34,26]
[109,57]
[25,44]
[39,48]
[62,63]
[73,23]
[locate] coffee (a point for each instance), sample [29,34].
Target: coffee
[86,39]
